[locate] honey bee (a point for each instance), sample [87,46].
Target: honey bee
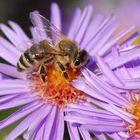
[60,51]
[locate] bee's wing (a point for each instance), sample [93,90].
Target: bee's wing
[46,26]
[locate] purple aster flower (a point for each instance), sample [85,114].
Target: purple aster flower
[117,84]
[96,107]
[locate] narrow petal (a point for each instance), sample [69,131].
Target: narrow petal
[5,54]
[92,114]
[17,101]
[20,114]
[121,60]
[105,88]
[39,133]
[49,124]
[111,108]
[108,72]
[35,124]
[97,35]
[21,34]
[73,131]
[93,26]
[4,68]
[11,48]
[88,120]
[134,72]
[60,125]
[123,73]
[13,37]
[115,136]
[89,91]
[83,24]
[7,98]
[106,47]
[85,134]
[100,136]
[16,91]
[24,124]
[132,83]
[88,107]
[56,16]
[101,128]
[104,39]
[73,25]
[127,42]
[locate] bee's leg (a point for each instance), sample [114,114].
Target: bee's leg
[63,70]
[43,72]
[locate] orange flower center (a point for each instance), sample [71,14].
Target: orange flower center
[57,89]
[135,110]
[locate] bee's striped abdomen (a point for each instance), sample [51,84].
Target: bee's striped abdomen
[26,61]
[39,53]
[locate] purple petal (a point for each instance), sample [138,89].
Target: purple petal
[5,98]
[127,42]
[92,114]
[60,125]
[100,136]
[115,111]
[104,39]
[85,134]
[101,128]
[13,84]
[134,72]
[96,36]
[81,85]
[49,123]
[132,83]
[5,54]
[20,114]
[93,121]
[88,108]
[34,125]
[83,23]
[39,133]
[20,33]
[74,23]
[9,47]
[121,60]
[16,91]
[13,37]
[115,136]
[24,124]
[124,135]
[11,71]
[56,16]
[106,47]
[18,100]
[123,73]
[108,72]
[93,26]
[73,131]
[104,88]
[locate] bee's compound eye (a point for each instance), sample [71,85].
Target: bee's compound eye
[77,62]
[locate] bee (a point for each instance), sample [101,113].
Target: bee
[58,50]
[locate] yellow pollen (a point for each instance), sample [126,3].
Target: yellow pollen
[57,90]
[135,110]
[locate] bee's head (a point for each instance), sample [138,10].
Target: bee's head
[80,60]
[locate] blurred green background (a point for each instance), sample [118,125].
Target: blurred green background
[18,11]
